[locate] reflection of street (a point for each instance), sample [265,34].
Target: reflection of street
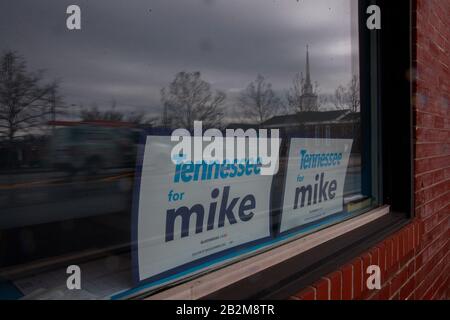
[37,198]
[101,278]
[43,197]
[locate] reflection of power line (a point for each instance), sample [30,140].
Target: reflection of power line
[62,182]
[105,102]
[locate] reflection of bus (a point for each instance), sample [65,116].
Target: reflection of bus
[92,147]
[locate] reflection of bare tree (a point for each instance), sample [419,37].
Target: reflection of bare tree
[348,97]
[188,98]
[340,98]
[259,101]
[354,94]
[25,103]
[93,113]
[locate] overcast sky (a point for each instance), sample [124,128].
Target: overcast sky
[128,50]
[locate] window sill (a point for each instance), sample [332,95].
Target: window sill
[211,283]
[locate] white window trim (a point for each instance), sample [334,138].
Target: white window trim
[216,280]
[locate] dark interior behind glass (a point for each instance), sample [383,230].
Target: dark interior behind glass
[75,104]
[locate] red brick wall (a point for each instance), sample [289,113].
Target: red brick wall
[415,262]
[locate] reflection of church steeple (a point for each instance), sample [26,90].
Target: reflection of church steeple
[308,85]
[308,98]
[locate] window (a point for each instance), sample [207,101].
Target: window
[87,176]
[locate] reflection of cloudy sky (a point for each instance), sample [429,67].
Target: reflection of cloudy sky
[127,52]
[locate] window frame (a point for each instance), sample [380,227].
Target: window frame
[390,91]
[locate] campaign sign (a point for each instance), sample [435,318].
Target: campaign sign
[193,215]
[315,179]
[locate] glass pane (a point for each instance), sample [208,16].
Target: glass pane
[85,119]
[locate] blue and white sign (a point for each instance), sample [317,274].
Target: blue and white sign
[191,216]
[315,179]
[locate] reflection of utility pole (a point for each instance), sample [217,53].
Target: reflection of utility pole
[165,120]
[53,109]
